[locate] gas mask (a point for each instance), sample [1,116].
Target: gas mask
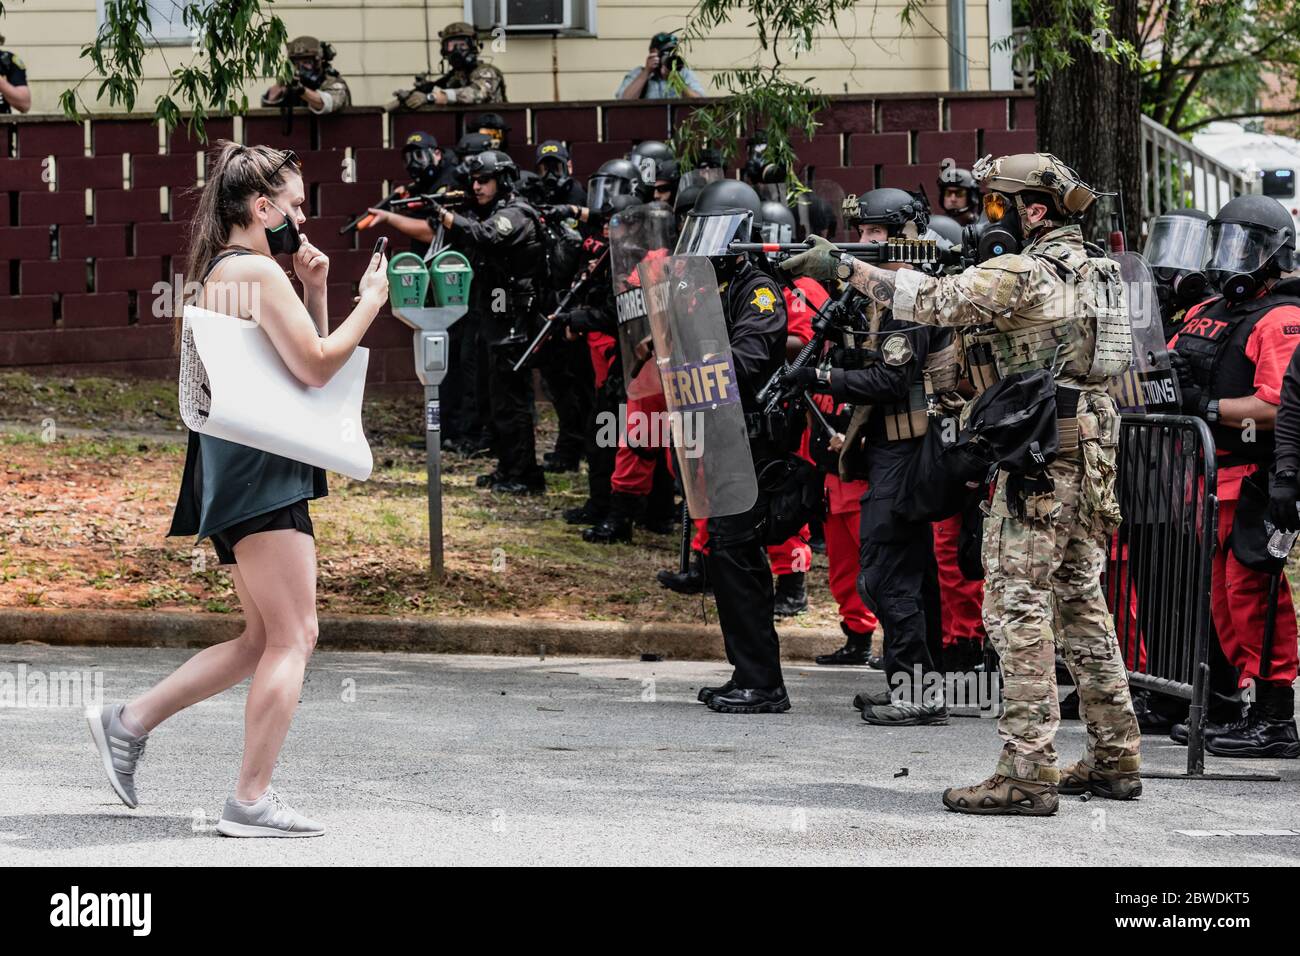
[987,240]
[462,57]
[284,238]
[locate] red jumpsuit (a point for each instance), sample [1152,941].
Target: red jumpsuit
[960,599]
[1239,596]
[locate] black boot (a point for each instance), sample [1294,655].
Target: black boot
[556,462]
[692,582]
[1070,705]
[490,480]
[856,650]
[708,693]
[962,657]
[1157,714]
[588,513]
[1270,732]
[1214,726]
[744,700]
[617,526]
[791,595]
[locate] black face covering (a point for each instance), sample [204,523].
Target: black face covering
[991,239]
[1236,287]
[462,60]
[285,237]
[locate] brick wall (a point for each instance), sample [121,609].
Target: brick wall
[79,263]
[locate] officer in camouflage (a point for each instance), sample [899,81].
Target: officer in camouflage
[468,80]
[1051,306]
[315,83]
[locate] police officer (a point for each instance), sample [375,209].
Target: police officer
[1231,354]
[467,80]
[500,236]
[1176,249]
[15,94]
[1052,306]
[430,171]
[647,156]
[315,83]
[735,561]
[898,577]
[959,194]
[554,184]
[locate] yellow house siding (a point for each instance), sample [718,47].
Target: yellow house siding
[381,44]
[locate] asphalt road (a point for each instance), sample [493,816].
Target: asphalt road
[421,759]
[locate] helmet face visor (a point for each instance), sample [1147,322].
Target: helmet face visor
[1178,243]
[711,234]
[1240,247]
[777,232]
[601,191]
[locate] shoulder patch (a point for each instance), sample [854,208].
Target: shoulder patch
[18,62]
[503,224]
[764,298]
[1011,262]
[896,349]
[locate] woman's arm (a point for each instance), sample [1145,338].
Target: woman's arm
[311,358]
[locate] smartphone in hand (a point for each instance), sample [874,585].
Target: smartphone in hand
[381,246]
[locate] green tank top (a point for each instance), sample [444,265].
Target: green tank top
[225,483]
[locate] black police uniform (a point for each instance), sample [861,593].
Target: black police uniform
[736,559]
[502,243]
[14,70]
[899,577]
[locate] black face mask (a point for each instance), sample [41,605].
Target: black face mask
[283,238]
[1236,287]
[987,240]
[462,60]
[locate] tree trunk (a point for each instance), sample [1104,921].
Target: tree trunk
[1089,117]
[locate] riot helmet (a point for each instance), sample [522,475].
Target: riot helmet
[1252,240]
[495,164]
[954,177]
[1176,249]
[647,156]
[726,211]
[617,177]
[778,222]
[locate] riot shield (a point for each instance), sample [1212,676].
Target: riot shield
[693,359]
[1150,384]
[818,210]
[637,234]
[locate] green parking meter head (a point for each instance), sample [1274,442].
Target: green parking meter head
[408,281]
[450,273]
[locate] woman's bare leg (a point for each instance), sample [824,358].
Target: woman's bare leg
[204,675]
[279,571]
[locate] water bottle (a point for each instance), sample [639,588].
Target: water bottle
[1280,542]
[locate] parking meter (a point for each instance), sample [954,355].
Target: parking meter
[431,345]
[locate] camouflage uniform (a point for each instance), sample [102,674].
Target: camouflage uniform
[1043,570]
[333,89]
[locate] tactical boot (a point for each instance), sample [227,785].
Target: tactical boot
[556,462]
[692,582]
[856,650]
[708,693]
[1004,795]
[791,595]
[1179,732]
[1113,784]
[904,713]
[657,523]
[617,525]
[1270,732]
[964,656]
[744,700]
[512,486]
[489,480]
[588,513]
[1153,712]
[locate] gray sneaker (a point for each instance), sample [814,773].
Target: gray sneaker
[119,749]
[268,817]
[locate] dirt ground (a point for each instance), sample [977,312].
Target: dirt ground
[91,467]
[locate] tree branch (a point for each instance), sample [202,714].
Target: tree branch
[1294,111]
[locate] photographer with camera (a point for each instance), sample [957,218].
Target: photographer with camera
[315,83]
[650,82]
[14,91]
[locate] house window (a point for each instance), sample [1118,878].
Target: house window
[166,25]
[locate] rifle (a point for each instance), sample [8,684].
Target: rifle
[910,251]
[402,201]
[548,327]
[832,316]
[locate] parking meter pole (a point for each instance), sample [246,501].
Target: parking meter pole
[433,472]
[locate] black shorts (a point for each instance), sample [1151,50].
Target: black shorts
[292,517]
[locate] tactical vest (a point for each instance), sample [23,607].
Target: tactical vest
[1092,341]
[1213,340]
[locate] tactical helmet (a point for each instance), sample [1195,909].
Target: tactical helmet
[473,143]
[617,177]
[306,46]
[494,163]
[900,212]
[463,60]
[779,224]
[954,177]
[1252,239]
[491,125]
[1040,172]
[646,157]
